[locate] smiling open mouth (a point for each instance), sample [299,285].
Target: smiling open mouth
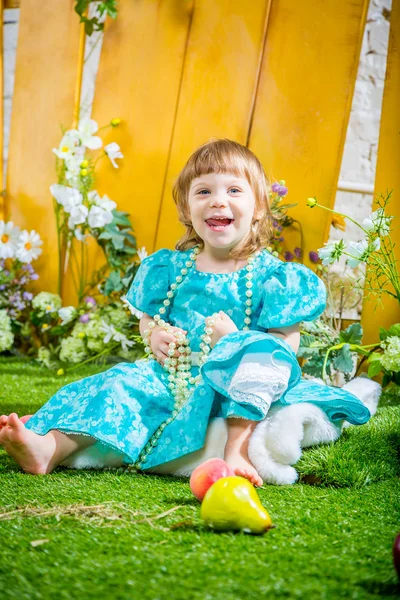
[219,224]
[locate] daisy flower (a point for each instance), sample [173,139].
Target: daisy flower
[9,236]
[29,246]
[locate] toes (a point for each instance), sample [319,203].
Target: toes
[3,420]
[13,421]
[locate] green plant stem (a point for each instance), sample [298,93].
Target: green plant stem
[342,215]
[74,258]
[92,358]
[353,347]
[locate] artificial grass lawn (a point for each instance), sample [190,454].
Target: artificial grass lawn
[332,540]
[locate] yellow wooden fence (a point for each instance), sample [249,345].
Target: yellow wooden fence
[275,75]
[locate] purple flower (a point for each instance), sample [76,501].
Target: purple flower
[282,191]
[281,239]
[21,305]
[89,300]
[274,223]
[28,267]
[297,252]
[288,256]
[275,187]
[2,287]
[2,263]
[34,276]
[23,280]
[27,296]
[314,256]
[6,272]
[84,318]
[280,228]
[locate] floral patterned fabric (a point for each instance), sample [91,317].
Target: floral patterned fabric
[125,405]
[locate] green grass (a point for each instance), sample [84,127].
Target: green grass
[332,540]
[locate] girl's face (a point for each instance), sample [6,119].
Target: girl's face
[221,208]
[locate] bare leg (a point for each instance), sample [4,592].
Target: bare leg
[38,454]
[236,455]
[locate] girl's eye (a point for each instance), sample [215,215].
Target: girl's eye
[234,190]
[203,192]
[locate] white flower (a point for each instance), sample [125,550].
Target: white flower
[98,217]
[117,336]
[331,252]
[66,314]
[378,222]
[391,357]
[142,253]
[86,128]
[78,215]
[360,251]
[9,236]
[68,197]
[105,202]
[29,246]
[68,144]
[113,151]
[137,313]
[6,334]
[79,235]
[93,196]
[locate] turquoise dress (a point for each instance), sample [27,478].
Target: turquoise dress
[124,406]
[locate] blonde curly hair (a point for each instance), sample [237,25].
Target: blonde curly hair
[225,156]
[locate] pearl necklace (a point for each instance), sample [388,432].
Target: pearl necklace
[181,381]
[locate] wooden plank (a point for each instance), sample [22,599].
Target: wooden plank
[217,92]
[304,99]
[139,81]
[2,211]
[388,175]
[45,76]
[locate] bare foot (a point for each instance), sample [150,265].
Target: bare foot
[243,467]
[31,451]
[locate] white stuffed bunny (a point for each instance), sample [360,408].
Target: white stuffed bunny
[274,446]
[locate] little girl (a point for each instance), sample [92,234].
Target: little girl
[221,325]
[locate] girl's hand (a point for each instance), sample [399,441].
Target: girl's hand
[223,325]
[160,340]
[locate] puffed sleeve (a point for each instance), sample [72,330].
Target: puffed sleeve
[151,283]
[293,293]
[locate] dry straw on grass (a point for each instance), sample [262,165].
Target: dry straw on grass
[98,514]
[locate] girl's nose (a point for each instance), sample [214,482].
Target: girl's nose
[217,201]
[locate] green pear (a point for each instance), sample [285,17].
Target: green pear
[232,504]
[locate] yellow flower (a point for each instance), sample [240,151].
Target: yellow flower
[60,372]
[45,326]
[84,172]
[311,202]
[84,164]
[115,122]
[338,222]
[81,335]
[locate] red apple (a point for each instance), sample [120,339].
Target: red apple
[208,473]
[396,554]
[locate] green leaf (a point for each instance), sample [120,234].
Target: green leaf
[394,330]
[383,333]
[374,368]
[113,283]
[343,360]
[373,357]
[313,366]
[352,335]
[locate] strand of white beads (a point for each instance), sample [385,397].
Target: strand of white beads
[181,381]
